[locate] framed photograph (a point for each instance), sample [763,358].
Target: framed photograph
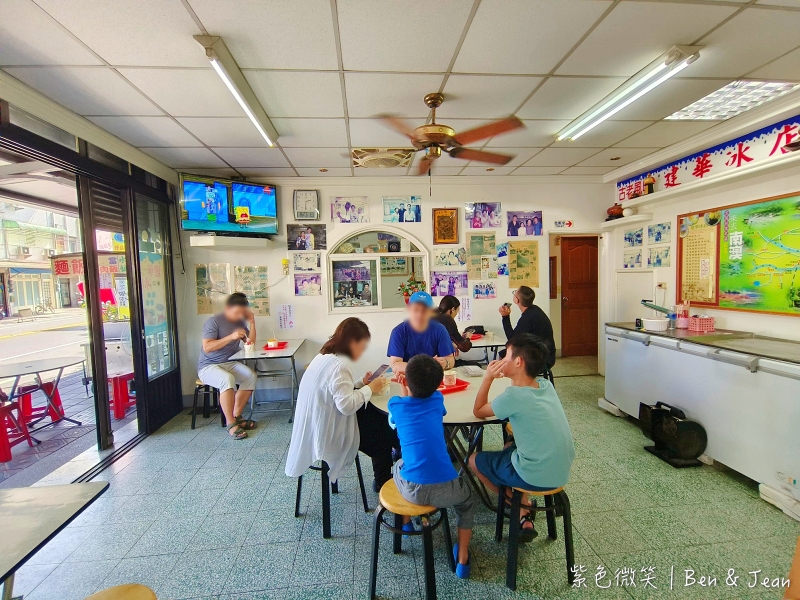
[484,291]
[449,283]
[632,259]
[524,223]
[449,257]
[306,205]
[308,284]
[403,209]
[394,265]
[633,237]
[660,233]
[306,237]
[445,225]
[659,257]
[307,262]
[350,209]
[483,215]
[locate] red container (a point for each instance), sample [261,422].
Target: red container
[701,324]
[475,336]
[459,386]
[278,347]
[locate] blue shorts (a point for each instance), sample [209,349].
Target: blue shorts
[498,469]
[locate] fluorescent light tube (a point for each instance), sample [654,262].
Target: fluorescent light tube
[224,76]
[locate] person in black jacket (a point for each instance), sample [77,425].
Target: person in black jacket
[532,320]
[446,314]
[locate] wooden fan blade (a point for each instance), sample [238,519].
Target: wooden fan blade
[489,130]
[398,125]
[424,165]
[480,155]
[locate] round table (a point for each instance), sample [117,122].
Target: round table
[459,419]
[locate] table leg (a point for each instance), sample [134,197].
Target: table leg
[294,387]
[8,587]
[462,455]
[53,408]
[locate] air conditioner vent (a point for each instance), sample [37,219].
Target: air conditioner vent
[382,158]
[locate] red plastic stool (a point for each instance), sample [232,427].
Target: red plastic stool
[11,433]
[121,399]
[25,396]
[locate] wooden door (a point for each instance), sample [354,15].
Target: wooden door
[578,296]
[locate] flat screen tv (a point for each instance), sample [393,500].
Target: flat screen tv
[228,207]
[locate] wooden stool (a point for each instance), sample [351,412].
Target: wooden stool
[129,591]
[327,488]
[556,503]
[210,398]
[13,429]
[391,500]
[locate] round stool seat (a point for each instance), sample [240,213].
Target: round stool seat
[198,382]
[129,591]
[392,501]
[542,492]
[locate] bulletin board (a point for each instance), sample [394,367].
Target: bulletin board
[742,256]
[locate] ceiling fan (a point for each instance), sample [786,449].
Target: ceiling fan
[436,137]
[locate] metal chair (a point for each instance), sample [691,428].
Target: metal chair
[210,399]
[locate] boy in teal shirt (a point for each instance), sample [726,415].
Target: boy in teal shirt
[542,452]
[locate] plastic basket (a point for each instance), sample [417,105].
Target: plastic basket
[701,324]
[682,322]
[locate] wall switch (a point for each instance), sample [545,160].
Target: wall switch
[662,285]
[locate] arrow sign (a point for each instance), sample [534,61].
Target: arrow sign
[562,224]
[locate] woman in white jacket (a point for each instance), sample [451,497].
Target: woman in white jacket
[325,423]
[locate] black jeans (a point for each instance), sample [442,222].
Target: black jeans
[377,441]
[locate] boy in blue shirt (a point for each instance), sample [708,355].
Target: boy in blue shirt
[425,474]
[542,452]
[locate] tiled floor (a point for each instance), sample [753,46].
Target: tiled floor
[194,514]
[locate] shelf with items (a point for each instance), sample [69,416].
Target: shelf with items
[638,218]
[221,242]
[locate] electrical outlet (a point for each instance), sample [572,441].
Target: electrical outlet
[662,285]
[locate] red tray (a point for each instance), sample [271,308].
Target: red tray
[460,386]
[278,347]
[475,336]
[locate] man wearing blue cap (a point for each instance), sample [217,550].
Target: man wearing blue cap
[419,334]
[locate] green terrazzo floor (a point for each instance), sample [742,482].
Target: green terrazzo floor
[196,515]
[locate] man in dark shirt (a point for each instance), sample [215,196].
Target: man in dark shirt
[532,320]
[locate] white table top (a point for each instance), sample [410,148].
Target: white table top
[288,352]
[32,367]
[458,404]
[499,340]
[32,516]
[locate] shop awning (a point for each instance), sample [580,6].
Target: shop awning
[7,224]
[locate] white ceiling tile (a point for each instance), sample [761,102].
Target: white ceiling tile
[393,172]
[537,170]
[147,131]
[233,132]
[298,93]
[607,133]
[185,158]
[535,135]
[372,133]
[440,171]
[253,157]
[496,170]
[279,34]
[268,172]
[618,45]
[665,133]
[520,155]
[790,3]
[568,97]
[560,157]
[226,172]
[785,68]
[484,96]
[132,32]
[524,36]
[87,90]
[587,170]
[401,94]
[186,92]
[375,36]
[670,96]
[749,40]
[31,37]
[311,133]
[319,157]
[626,156]
[331,172]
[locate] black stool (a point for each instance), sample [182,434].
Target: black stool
[327,488]
[391,500]
[210,400]
[556,503]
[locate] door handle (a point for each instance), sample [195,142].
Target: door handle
[564,299]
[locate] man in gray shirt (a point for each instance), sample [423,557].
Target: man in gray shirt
[222,336]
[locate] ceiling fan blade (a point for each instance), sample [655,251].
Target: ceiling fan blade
[489,130]
[398,125]
[480,155]
[424,165]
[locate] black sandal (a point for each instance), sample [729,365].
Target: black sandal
[527,534]
[236,432]
[246,424]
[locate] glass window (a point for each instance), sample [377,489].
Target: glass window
[35,125]
[355,283]
[375,242]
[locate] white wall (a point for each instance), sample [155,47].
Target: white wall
[582,203]
[555,303]
[754,188]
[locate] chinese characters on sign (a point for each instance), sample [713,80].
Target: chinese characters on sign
[674,578]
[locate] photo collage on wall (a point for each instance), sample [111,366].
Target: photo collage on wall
[658,254]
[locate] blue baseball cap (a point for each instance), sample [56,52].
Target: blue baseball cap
[421,298]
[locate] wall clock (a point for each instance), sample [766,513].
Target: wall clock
[306,205]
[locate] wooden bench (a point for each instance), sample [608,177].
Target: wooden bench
[25,313]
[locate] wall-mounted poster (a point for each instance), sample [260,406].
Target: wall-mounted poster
[394,265]
[465,310]
[523,264]
[285,316]
[306,237]
[442,257]
[253,282]
[307,261]
[660,233]
[478,246]
[449,283]
[484,290]
[697,256]
[489,267]
[632,258]
[350,209]
[502,269]
[658,257]
[308,284]
[632,237]
[403,209]
[483,215]
[445,225]
[502,250]
[524,223]
[213,283]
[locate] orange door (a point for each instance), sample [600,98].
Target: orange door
[578,296]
